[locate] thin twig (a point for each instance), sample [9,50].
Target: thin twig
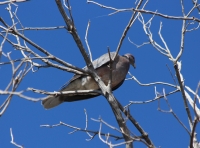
[130,23]
[172,75]
[12,140]
[66,93]
[149,84]
[146,12]
[80,129]
[152,100]
[12,1]
[137,125]
[172,112]
[86,126]
[86,40]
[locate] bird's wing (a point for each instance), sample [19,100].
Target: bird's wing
[104,59]
[76,76]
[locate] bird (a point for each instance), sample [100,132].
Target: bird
[120,68]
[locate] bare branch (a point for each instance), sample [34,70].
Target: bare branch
[66,93]
[45,52]
[12,1]
[178,74]
[194,93]
[102,6]
[138,46]
[19,94]
[182,6]
[114,128]
[194,28]
[193,105]
[149,84]
[172,112]
[171,75]
[193,139]
[14,82]
[146,28]
[182,41]
[86,126]
[39,28]
[79,129]
[147,12]
[86,40]
[130,23]
[166,47]
[12,140]
[195,2]
[137,125]
[154,99]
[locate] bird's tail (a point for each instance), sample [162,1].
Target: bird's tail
[51,101]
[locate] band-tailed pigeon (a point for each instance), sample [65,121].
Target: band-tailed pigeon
[81,82]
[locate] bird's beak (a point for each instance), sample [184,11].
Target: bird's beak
[133,64]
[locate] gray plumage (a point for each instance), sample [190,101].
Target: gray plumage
[81,82]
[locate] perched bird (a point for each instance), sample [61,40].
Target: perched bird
[120,68]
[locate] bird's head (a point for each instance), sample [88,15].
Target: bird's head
[131,59]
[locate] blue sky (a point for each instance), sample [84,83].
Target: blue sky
[25,117]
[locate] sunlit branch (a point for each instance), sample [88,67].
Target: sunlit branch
[80,129]
[12,140]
